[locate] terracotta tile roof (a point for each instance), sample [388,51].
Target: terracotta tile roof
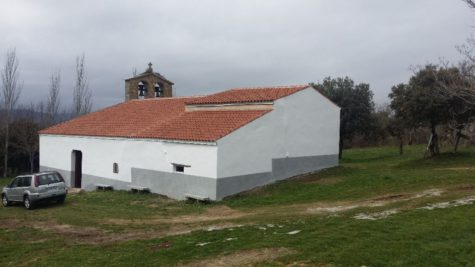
[201,125]
[247,95]
[157,118]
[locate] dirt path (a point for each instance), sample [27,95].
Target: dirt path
[217,217]
[224,213]
[242,258]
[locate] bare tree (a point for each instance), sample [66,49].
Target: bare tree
[25,138]
[465,89]
[455,84]
[470,3]
[53,102]
[10,94]
[82,97]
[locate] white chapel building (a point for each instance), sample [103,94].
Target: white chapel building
[209,146]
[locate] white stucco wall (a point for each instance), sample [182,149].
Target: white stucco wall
[302,124]
[99,154]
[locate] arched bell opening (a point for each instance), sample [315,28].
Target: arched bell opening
[158,89]
[142,89]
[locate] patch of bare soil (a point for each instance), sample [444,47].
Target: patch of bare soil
[10,223]
[451,204]
[212,214]
[392,197]
[73,233]
[213,219]
[92,235]
[242,258]
[72,190]
[375,215]
[307,263]
[375,202]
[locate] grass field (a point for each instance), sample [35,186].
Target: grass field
[376,208]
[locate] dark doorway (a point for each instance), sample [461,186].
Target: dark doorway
[77,168]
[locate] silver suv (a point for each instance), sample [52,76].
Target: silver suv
[30,189]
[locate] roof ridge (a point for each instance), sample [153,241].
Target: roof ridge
[249,94]
[269,87]
[167,98]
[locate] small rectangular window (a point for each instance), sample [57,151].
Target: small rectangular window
[115,168]
[179,168]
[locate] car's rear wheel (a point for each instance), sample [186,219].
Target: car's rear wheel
[5,201]
[28,203]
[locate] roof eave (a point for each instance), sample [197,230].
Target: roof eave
[195,142]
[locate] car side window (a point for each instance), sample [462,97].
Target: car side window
[53,178]
[43,180]
[15,182]
[20,181]
[26,181]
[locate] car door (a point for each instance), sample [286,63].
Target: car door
[23,185]
[55,184]
[44,185]
[13,190]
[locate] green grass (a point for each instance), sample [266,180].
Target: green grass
[413,237]
[92,208]
[365,173]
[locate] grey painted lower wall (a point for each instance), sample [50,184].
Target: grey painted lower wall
[232,185]
[288,167]
[176,185]
[88,182]
[281,169]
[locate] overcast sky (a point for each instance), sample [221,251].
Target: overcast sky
[209,46]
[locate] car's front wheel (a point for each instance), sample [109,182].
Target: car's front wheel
[5,201]
[28,203]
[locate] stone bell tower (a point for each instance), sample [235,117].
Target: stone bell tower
[149,84]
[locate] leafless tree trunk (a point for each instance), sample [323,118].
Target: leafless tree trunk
[10,93]
[401,145]
[433,146]
[53,102]
[82,98]
[340,148]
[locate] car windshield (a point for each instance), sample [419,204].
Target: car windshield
[49,178]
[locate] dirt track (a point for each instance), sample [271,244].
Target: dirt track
[217,217]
